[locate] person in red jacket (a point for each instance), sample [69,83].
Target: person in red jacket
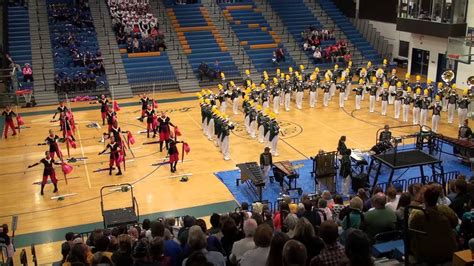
[9,114]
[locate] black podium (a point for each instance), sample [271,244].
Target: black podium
[119,216]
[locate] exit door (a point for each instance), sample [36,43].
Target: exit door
[419,62]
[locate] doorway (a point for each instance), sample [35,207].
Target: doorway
[419,62]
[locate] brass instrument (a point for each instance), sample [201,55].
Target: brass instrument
[448,76]
[470,81]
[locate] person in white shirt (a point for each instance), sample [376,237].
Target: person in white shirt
[240,247]
[258,256]
[392,198]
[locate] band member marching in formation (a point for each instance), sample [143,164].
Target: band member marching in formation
[287,89]
[234,97]
[463,106]
[326,91]
[299,87]
[407,100]
[348,74]
[393,82]
[359,91]
[341,87]
[262,118]
[397,99]
[222,96]
[384,97]
[276,94]
[164,131]
[274,131]
[437,108]
[373,91]
[443,94]
[226,127]
[48,171]
[264,96]
[52,141]
[9,114]
[452,101]
[116,155]
[417,100]
[103,107]
[425,104]
[313,88]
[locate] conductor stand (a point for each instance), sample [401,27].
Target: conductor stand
[121,216]
[324,170]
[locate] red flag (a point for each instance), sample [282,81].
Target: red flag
[155,104]
[186,147]
[130,137]
[116,106]
[177,132]
[19,120]
[67,169]
[72,143]
[155,121]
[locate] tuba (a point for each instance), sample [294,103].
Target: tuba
[448,76]
[470,81]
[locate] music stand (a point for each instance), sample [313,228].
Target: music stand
[121,216]
[325,169]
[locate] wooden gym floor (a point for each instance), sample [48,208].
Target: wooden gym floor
[159,193]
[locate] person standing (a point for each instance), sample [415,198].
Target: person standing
[359,91]
[416,107]
[52,142]
[327,91]
[373,89]
[150,120]
[9,114]
[115,155]
[173,154]
[313,90]
[234,97]
[288,88]
[227,126]
[274,131]
[393,81]
[407,100]
[463,106]
[266,163]
[452,101]
[299,86]
[164,131]
[276,92]
[144,100]
[48,171]
[425,104]
[437,108]
[384,97]
[341,87]
[103,107]
[346,171]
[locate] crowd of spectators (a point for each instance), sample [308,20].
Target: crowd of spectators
[337,52]
[319,230]
[73,39]
[136,27]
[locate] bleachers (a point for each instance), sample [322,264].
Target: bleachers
[148,68]
[297,17]
[19,43]
[86,37]
[255,35]
[350,31]
[200,39]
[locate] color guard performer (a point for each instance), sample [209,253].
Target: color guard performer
[61,109]
[373,90]
[164,131]
[144,100]
[52,141]
[111,117]
[425,104]
[48,171]
[9,114]
[115,155]
[173,154]
[452,101]
[416,107]
[398,97]
[359,91]
[384,97]
[150,120]
[276,92]
[437,108]
[407,100]
[341,87]
[463,106]
[103,107]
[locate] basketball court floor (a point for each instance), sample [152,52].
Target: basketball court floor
[44,221]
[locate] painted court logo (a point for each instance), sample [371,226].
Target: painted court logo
[287,130]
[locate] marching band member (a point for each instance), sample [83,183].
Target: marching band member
[359,91]
[341,87]
[264,96]
[327,91]
[274,130]
[299,92]
[437,108]
[48,171]
[430,88]
[227,126]
[313,90]
[364,76]
[248,79]
[260,122]
[222,97]
[418,83]
[393,81]
[373,89]
[349,75]
[443,94]
[425,104]
[407,100]
[452,101]
[276,92]
[416,107]
[282,88]
[406,82]
[287,91]
[384,96]
[211,125]
[398,97]
[463,106]
[234,97]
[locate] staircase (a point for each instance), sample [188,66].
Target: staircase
[237,52]
[374,37]
[286,38]
[114,68]
[42,59]
[183,71]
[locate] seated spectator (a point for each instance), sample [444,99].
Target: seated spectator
[289,224]
[275,256]
[461,200]
[318,57]
[188,221]
[27,73]
[171,248]
[258,256]
[215,229]
[310,214]
[80,254]
[438,221]
[123,256]
[353,219]
[392,198]
[230,234]
[280,55]
[240,247]
[294,253]
[403,202]
[324,212]
[358,249]
[333,253]
[280,215]
[197,243]
[304,233]
[466,230]
[416,194]
[380,219]
[337,207]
